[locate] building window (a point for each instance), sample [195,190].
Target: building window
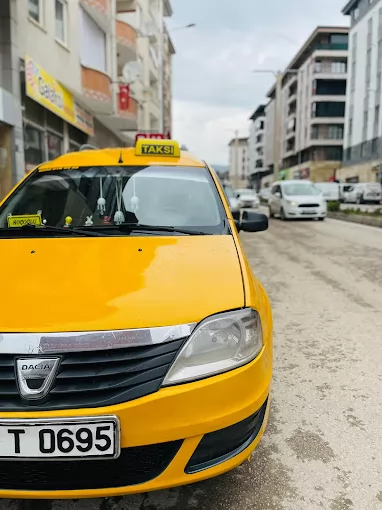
[335,132]
[355,14]
[376,122]
[369,32]
[338,67]
[33,145]
[35,10]
[61,11]
[365,122]
[54,143]
[93,44]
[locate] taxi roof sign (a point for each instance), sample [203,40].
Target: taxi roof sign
[165,148]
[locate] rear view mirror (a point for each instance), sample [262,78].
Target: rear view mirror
[252,222]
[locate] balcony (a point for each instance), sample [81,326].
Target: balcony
[290,135]
[318,98]
[100,11]
[327,120]
[332,46]
[96,90]
[126,37]
[123,120]
[292,98]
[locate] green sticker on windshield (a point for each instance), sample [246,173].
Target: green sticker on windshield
[24,219]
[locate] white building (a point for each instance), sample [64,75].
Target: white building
[312,108]
[239,162]
[363,127]
[256,145]
[61,82]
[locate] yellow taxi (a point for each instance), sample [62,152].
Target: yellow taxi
[135,342]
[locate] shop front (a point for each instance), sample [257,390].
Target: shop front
[54,122]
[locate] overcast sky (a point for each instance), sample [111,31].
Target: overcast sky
[215,91]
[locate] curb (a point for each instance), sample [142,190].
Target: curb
[355,218]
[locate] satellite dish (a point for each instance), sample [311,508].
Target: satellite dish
[131,71]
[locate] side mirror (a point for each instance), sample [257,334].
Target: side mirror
[278,194]
[252,222]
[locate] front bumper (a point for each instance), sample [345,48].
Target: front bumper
[160,434]
[301,213]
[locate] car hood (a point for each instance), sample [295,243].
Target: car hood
[304,199]
[87,284]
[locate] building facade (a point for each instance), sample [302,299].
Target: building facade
[239,162]
[363,125]
[313,106]
[256,144]
[62,79]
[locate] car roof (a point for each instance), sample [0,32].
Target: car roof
[112,156]
[292,181]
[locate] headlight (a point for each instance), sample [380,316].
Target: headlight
[292,203]
[220,343]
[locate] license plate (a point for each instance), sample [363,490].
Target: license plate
[67,438]
[309,211]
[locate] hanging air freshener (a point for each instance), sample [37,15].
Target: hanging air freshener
[134,200]
[119,217]
[89,221]
[101,202]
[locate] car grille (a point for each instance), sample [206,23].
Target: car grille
[134,466]
[94,379]
[309,205]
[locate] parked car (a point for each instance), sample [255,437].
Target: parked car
[264,194]
[330,190]
[233,201]
[364,193]
[345,187]
[247,198]
[296,199]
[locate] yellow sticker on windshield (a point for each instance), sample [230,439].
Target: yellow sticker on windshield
[24,219]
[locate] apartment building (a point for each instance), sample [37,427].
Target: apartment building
[154,58]
[239,162]
[256,143]
[312,108]
[168,53]
[269,139]
[363,126]
[61,78]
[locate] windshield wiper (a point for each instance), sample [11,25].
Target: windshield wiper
[51,228]
[155,228]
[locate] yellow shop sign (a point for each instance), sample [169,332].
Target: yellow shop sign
[44,89]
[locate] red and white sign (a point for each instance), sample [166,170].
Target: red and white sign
[153,136]
[124,97]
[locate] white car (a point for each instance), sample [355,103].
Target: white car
[233,201]
[296,200]
[364,193]
[264,194]
[330,190]
[248,198]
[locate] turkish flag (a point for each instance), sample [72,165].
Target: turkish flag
[124,97]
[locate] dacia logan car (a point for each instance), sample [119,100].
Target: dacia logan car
[135,342]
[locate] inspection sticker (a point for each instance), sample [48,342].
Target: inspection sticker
[24,219]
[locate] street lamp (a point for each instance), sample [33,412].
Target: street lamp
[279,75]
[161,77]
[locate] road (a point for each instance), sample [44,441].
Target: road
[322,448]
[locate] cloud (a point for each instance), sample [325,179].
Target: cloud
[213,81]
[207,129]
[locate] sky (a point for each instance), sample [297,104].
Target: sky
[214,88]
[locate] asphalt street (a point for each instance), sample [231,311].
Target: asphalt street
[322,448]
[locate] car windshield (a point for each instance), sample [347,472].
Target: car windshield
[300,189]
[183,197]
